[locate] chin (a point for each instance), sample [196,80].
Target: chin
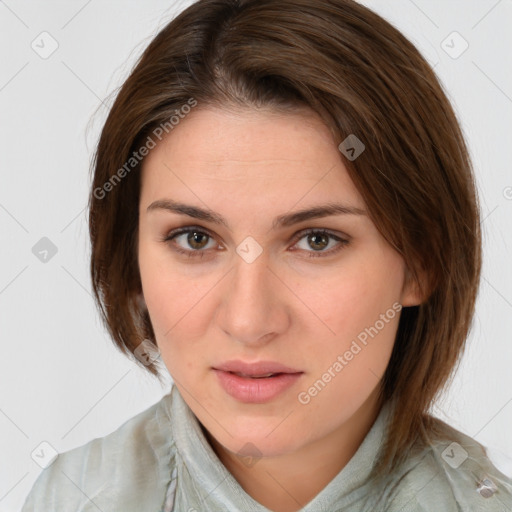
[258,438]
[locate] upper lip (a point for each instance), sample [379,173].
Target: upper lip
[255,369]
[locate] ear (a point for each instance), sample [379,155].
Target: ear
[414,290]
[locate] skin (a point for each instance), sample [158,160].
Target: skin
[250,167]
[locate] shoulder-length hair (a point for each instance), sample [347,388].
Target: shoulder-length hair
[363,77]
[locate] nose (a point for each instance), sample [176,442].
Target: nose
[253,309]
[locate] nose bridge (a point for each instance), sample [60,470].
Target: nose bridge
[251,308]
[250,284]
[251,273]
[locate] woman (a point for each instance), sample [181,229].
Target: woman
[283,209]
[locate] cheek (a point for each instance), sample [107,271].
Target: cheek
[178,310]
[361,308]
[176,330]
[355,298]
[168,294]
[175,307]
[348,367]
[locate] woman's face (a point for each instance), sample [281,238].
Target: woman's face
[250,287]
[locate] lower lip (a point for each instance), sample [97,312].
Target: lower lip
[256,391]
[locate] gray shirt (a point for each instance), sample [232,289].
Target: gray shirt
[160,461]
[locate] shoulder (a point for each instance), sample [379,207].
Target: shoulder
[452,474]
[129,466]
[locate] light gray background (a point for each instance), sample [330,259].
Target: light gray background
[62,381]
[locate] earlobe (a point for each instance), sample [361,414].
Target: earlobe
[413,291]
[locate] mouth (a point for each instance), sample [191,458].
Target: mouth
[258,382]
[258,369]
[265,376]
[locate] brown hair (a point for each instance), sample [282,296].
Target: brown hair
[363,77]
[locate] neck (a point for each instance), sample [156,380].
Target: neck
[286,483]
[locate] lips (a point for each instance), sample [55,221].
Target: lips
[258,382]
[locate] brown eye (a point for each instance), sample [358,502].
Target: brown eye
[190,241]
[197,240]
[318,241]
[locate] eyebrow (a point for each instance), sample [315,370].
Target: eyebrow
[285,220]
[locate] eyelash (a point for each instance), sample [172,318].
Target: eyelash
[302,234]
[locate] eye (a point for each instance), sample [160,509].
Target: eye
[319,240]
[192,241]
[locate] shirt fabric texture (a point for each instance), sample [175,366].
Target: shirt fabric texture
[160,461]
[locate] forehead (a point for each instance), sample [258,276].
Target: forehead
[246,152]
